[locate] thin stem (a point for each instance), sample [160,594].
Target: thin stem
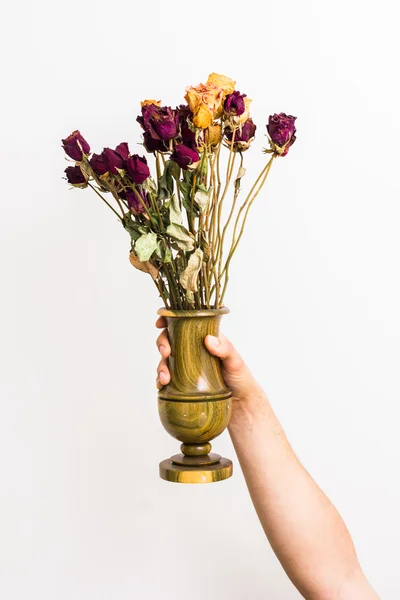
[104,200]
[235,245]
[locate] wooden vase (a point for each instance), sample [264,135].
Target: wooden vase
[195,406]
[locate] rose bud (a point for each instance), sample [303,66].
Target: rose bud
[153,145]
[185,115]
[213,135]
[75,176]
[281,130]
[243,137]
[74,145]
[136,199]
[123,150]
[112,160]
[137,168]
[234,104]
[161,122]
[184,156]
[97,164]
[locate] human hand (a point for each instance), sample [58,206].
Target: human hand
[236,374]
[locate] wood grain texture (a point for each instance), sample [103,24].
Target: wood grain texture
[178,474]
[195,373]
[195,407]
[194,422]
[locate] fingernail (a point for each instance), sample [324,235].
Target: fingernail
[163,378]
[161,349]
[213,341]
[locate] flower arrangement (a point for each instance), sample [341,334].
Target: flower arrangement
[179,221]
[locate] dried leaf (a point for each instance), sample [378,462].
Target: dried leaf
[202,199]
[145,246]
[184,240]
[188,278]
[146,267]
[241,173]
[175,213]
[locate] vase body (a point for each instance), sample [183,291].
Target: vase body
[195,406]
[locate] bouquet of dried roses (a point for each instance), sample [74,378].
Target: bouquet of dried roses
[183,231]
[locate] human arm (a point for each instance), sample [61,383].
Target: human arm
[304,529]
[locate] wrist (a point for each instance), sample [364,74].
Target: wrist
[249,408]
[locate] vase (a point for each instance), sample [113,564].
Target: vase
[195,406]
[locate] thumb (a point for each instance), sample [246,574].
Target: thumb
[223,348]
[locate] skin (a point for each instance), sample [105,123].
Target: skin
[303,527]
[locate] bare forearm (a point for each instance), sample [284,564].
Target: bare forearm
[305,530]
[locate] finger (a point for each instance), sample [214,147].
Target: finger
[161,323]
[223,348]
[163,344]
[163,375]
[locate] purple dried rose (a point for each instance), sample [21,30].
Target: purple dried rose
[234,104]
[75,176]
[184,156]
[136,199]
[74,145]
[137,168]
[242,137]
[153,145]
[112,160]
[97,164]
[188,136]
[281,129]
[160,122]
[123,150]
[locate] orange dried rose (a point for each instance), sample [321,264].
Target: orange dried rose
[147,102]
[204,102]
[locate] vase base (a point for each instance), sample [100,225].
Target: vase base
[205,473]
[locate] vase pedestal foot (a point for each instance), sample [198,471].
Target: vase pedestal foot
[187,473]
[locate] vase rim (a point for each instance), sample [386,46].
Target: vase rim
[201,312]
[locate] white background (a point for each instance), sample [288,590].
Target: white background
[314,296]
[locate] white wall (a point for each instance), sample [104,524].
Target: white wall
[314,296]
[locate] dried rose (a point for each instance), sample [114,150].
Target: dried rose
[147,102]
[123,150]
[136,199]
[185,115]
[137,168]
[112,160]
[97,164]
[213,135]
[74,145]
[227,84]
[243,137]
[205,102]
[153,145]
[75,176]
[234,104]
[161,122]
[281,129]
[184,156]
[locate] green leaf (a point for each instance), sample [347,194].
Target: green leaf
[145,246]
[131,227]
[189,277]
[168,255]
[166,181]
[184,240]
[175,213]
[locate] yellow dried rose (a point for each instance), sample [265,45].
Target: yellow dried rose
[147,102]
[204,101]
[227,84]
[214,135]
